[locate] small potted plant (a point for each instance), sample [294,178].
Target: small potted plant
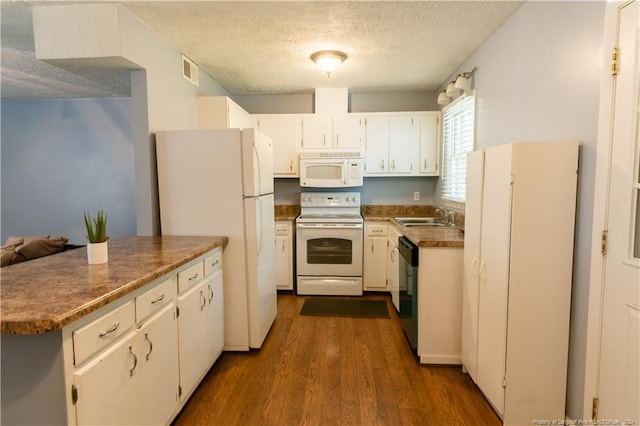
[97,251]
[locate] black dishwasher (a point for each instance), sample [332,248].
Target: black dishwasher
[408,284]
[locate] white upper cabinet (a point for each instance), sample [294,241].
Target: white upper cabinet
[332,132]
[285,130]
[392,144]
[220,112]
[429,144]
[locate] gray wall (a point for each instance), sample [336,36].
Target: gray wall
[61,157]
[538,78]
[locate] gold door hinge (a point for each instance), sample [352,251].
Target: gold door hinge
[604,242]
[614,61]
[74,394]
[594,409]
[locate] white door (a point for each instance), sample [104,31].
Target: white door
[316,132]
[619,374]
[429,143]
[473,230]
[158,363]
[347,131]
[377,142]
[257,167]
[494,273]
[285,132]
[192,337]
[403,143]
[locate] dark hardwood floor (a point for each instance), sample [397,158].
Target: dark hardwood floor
[334,371]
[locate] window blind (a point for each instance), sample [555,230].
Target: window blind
[457,141]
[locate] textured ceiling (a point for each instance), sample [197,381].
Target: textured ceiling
[252,47]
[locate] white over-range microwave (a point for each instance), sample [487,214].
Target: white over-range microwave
[331,169]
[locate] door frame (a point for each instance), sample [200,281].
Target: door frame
[600,212]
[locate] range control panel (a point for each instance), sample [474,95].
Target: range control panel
[330,199]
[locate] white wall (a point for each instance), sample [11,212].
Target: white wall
[538,78]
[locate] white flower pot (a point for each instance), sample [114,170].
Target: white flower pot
[97,253]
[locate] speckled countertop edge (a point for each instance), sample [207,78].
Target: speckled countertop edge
[45,294]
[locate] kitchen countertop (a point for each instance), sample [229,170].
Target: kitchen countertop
[47,293]
[422,237]
[286,212]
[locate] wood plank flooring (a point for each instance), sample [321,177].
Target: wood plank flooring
[334,371]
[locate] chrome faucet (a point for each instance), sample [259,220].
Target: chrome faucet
[451,217]
[442,213]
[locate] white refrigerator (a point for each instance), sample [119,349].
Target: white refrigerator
[220,183]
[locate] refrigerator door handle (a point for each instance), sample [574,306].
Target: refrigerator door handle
[259,225]
[256,158]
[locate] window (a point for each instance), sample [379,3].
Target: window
[457,141]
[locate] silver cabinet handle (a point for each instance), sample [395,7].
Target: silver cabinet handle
[291,166]
[393,164]
[337,139]
[210,293]
[204,301]
[382,165]
[148,354]
[135,361]
[324,140]
[425,164]
[194,276]
[113,328]
[158,299]
[216,262]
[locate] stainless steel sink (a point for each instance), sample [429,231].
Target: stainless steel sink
[422,222]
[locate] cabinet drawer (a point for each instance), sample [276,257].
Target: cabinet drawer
[99,334]
[154,299]
[282,229]
[376,230]
[212,263]
[190,276]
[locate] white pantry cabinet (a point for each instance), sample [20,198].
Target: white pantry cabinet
[285,131]
[220,112]
[520,220]
[374,272]
[284,255]
[332,132]
[392,144]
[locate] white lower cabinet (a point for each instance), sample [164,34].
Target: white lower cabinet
[393,266]
[284,255]
[374,271]
[124,363]
[440,305]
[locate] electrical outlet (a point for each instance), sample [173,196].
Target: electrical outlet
[416,196]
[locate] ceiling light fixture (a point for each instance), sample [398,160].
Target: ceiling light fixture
[328,60]
[460,86]
[463,81]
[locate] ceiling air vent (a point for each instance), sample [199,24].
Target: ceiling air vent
[189,70]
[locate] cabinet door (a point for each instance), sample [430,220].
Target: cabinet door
[429,144]
[494,273]
[377,144]
[392,275]
[470,288]
[192,337]
[108,389]
[215,317]
[347,131]
[403,143]
[374,275]
[316,132]
[158,366]
[284,262]
[285,132]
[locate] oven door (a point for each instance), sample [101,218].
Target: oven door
[329,249]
